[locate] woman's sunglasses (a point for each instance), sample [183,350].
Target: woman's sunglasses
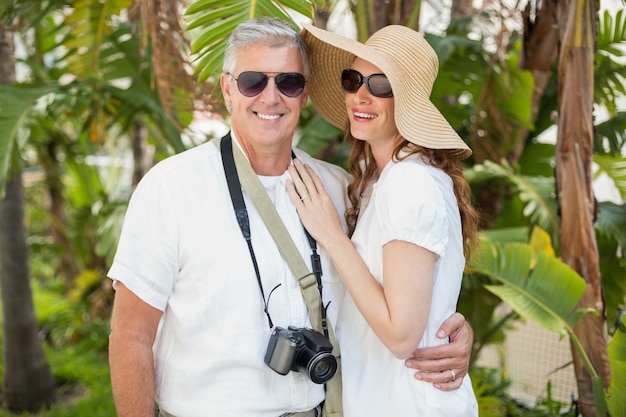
[377,84]
[252,83]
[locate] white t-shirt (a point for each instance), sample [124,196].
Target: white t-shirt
[412,202]
[181,251]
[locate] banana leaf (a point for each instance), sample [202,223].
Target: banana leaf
[616,400]
[539,286]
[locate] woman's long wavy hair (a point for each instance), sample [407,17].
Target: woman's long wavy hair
[363,168]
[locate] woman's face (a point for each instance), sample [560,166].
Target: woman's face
[371,118]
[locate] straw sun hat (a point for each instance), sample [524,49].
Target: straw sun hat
[409,63]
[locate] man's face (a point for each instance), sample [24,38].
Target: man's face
[270,117]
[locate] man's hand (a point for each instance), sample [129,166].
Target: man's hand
[446,365]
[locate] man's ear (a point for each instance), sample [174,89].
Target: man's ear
[304,96]
[225,85]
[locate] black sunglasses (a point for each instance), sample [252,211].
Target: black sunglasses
[377,84]
[252,83]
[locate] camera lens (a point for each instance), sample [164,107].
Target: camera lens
[322,368]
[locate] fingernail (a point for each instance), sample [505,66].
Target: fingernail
[418,376]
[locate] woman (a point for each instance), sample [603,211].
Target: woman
[412,223]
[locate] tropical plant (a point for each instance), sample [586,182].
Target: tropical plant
[617,353]
[530,284]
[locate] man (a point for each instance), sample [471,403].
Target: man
[191,319]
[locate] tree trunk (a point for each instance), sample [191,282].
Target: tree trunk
[27,384]
[373,15]
[541,45]
[461,9]
[139,152]
[574,153]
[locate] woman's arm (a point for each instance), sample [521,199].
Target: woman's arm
[397,312]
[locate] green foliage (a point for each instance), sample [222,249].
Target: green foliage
[513,88]
[76,325]
[455,92]
[537,160]
[490,390]
[548,406]
[68,319]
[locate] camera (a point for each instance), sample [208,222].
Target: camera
[300,349]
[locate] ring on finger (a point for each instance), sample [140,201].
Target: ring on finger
[305,196]
[453,375]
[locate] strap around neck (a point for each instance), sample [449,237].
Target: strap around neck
[307,280]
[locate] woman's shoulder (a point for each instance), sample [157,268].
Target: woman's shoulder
[410,169]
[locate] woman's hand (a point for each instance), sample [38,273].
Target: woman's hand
[315,208]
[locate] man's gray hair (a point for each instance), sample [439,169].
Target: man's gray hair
[266,31]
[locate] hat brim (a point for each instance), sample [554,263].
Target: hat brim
[417,118]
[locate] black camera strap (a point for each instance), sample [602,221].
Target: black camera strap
[241,213]
[239,172]
[236,196]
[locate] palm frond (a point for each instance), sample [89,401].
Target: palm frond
[16,103]
[609,71]
[535,192]
[538,195]
[610,135]
[90,24]
[610,229]
[615,169]
[136,100]
[611,222]
[612,32]
[210,42]
[29,12]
